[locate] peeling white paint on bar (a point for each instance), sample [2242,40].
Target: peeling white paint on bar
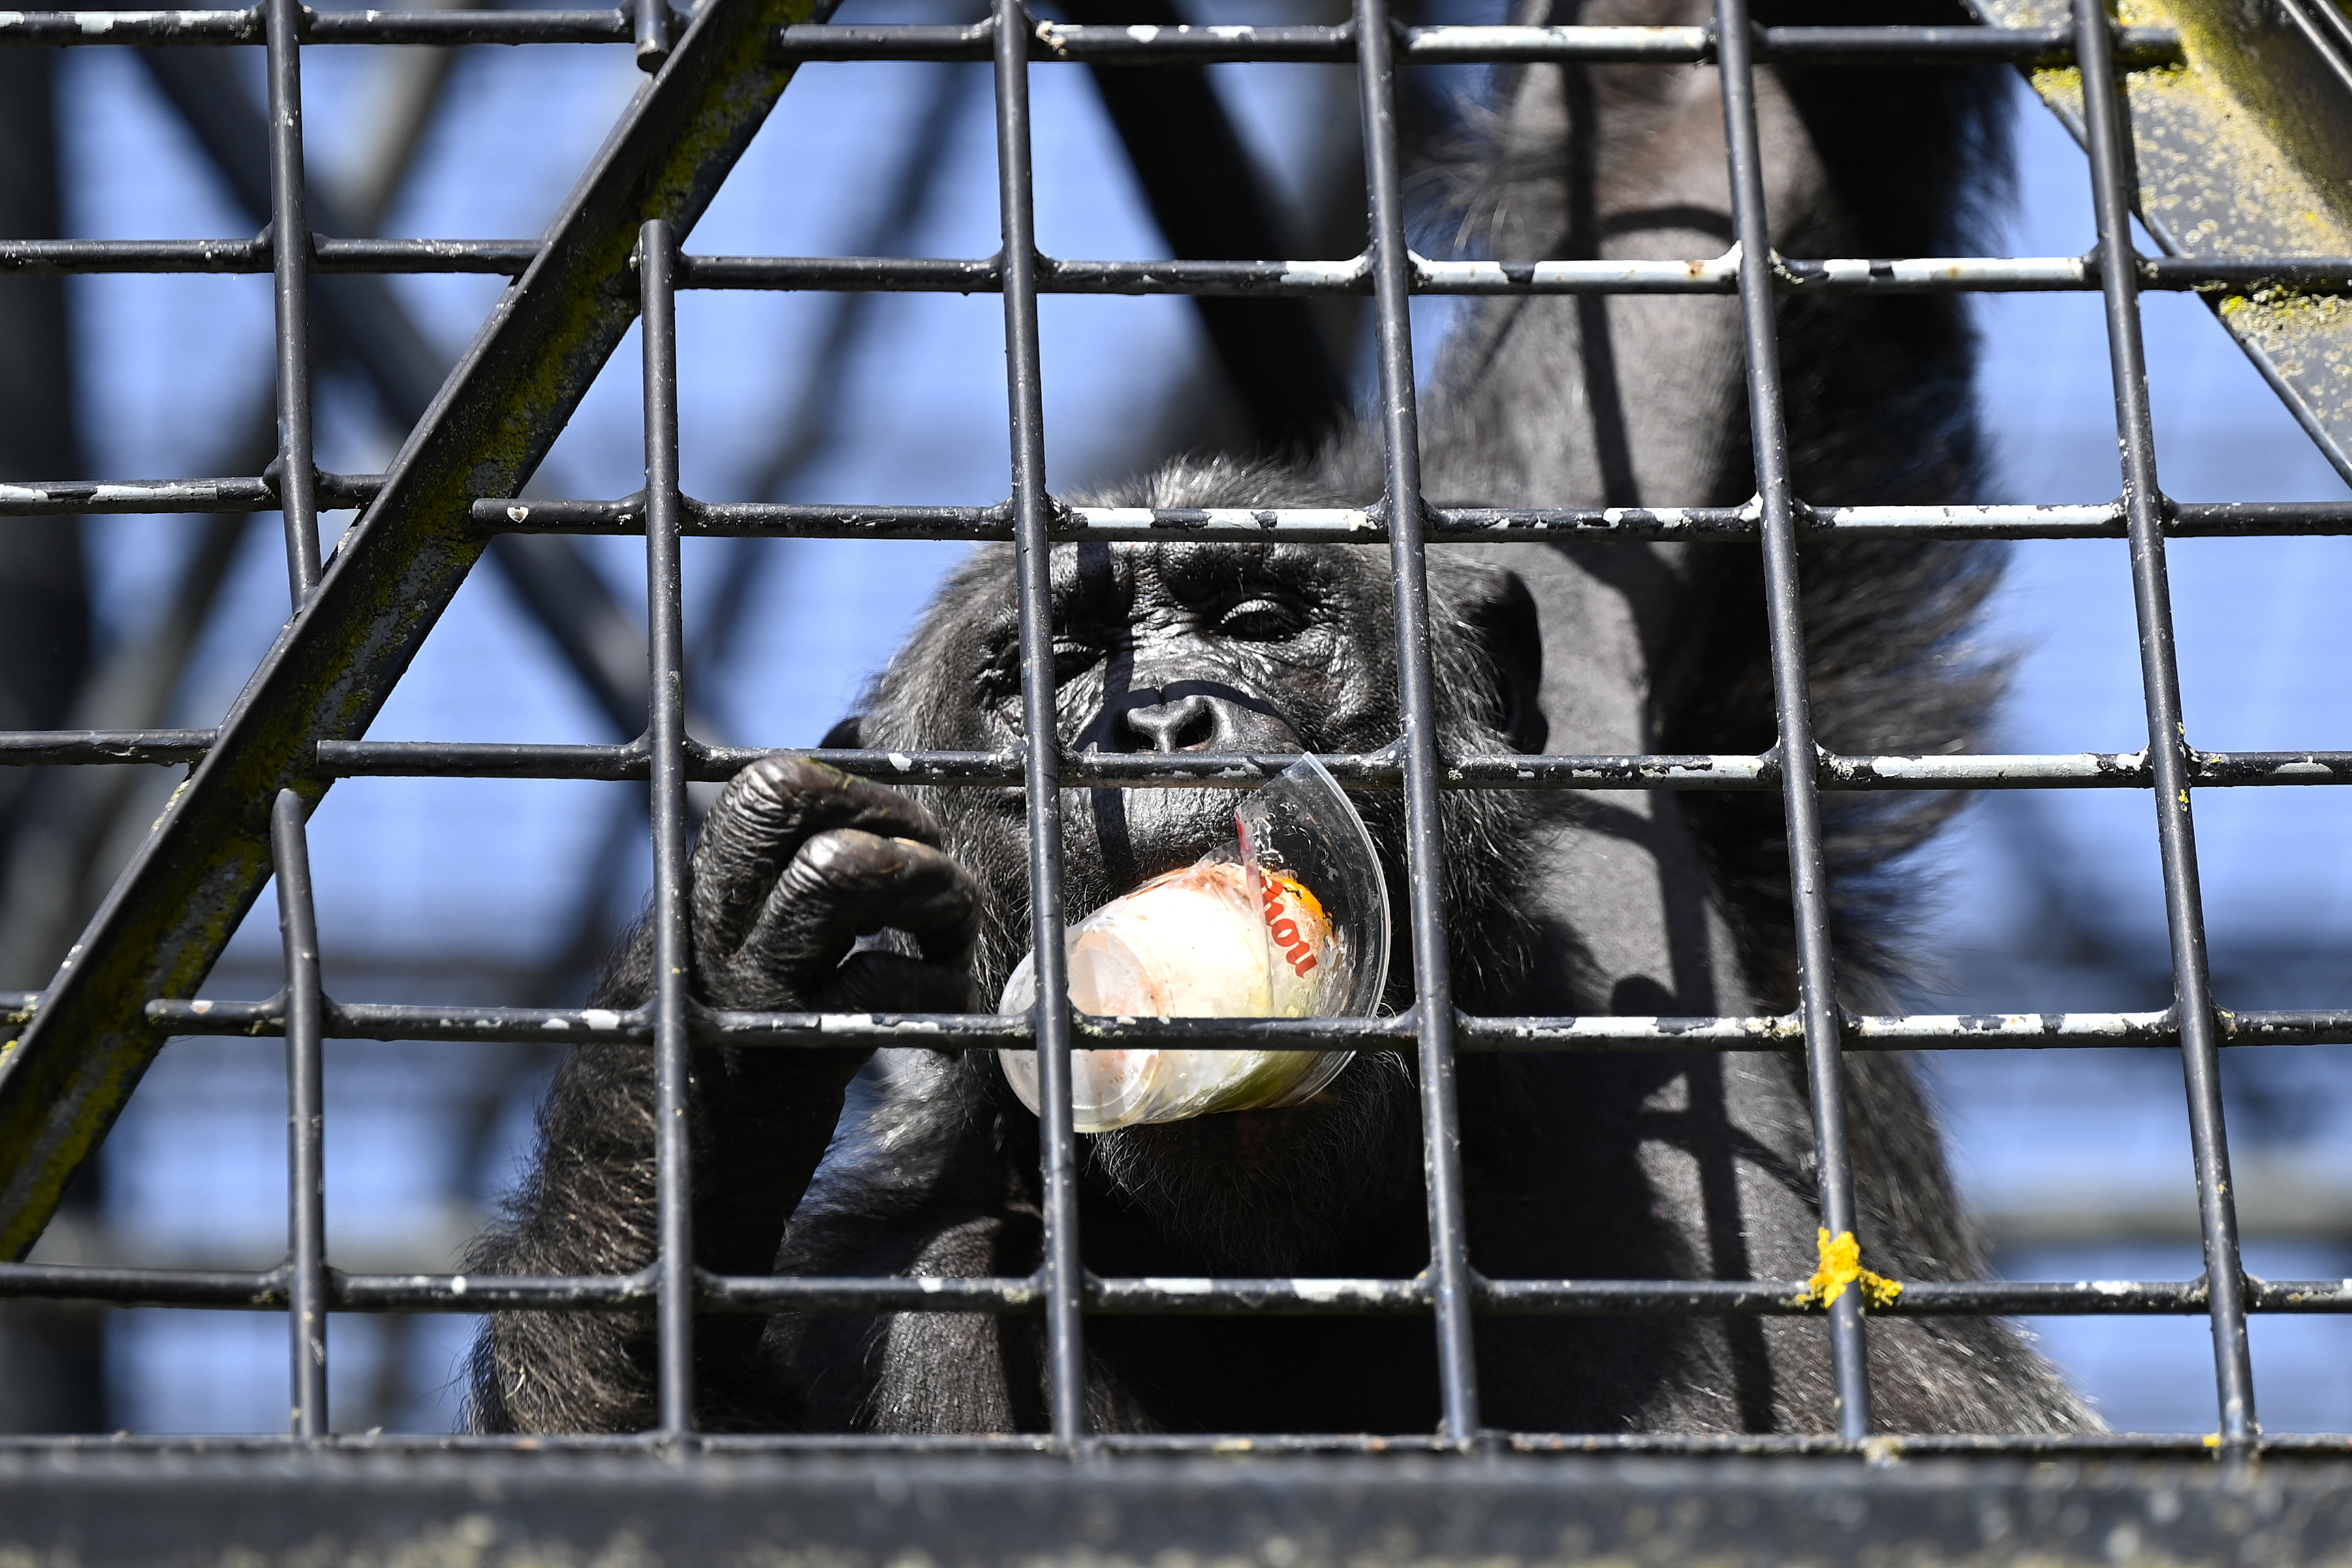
[2032,271]
[1718,274]
[1992,767]
[1524,43]
[2023,1027]
[1327,274]
[2043,521]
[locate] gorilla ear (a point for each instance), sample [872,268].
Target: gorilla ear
[1509,631]
[850,736]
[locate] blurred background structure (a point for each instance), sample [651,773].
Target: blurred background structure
[510,891]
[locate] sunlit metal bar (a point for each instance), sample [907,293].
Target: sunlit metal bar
[1501,770]
[976,1031]
[304,1022]
[670,1005]
[335,492]
[1792,706]
[1468,45]
[2105,114]
[1368,524]
[273,1289]
[1350,276]
[1031,515]
[450,28]
[298,475]
[1399,424]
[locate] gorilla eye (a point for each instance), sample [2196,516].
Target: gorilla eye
[1261,619]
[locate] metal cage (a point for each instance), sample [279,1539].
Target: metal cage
[613,257]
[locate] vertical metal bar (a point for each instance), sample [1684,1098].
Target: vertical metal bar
[2167,733]
[652,30]
[665,731]
[1792,698]
[1449,1262]
[289,235]
[1057,1143]
[306,1184]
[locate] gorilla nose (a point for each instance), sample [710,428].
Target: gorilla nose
[1192,723]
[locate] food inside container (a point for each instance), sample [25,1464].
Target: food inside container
[1287,919]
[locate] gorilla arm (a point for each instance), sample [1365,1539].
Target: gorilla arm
[795,863]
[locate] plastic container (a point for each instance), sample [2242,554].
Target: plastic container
[1289,918]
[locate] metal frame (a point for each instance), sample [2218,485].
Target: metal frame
[613,257]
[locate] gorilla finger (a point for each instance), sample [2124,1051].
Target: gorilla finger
[761,819]
[846,883]
[878,982]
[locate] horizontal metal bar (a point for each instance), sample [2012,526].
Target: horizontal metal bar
[1352,275]
[219,28]
[27,747]
[2138,46]
[1507,770]
[1367,525]
[974,1031]
[1349,276]
[39,497]
[507,257]
[267,1290]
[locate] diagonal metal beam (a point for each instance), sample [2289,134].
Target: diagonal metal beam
[2243,153]
[64,1080]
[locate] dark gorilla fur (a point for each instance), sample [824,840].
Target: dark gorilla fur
[1602,1166]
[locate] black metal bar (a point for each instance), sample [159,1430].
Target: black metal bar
[1793,704]
[2142,46]
[956,1031]
[2167,732]
[651,23]
[192,879]
[306,1117]
[2137,48]
[1213,278]
[273,1290]
[1473,771]
[453,29]
[2188,520]
[298,478]
[665,731]
[39,498]
[1399,427]
[1041,734]
[1367,525]
[216,28]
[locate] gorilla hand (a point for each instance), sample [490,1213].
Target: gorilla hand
[796,862]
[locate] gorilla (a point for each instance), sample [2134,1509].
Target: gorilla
[1644,1165]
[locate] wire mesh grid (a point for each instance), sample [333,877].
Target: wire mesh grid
[258,775]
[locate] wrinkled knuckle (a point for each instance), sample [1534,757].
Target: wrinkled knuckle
[847,859]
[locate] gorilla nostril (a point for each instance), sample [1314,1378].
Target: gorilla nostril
[1185,725]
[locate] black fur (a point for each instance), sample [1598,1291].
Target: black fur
[1577,1166]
